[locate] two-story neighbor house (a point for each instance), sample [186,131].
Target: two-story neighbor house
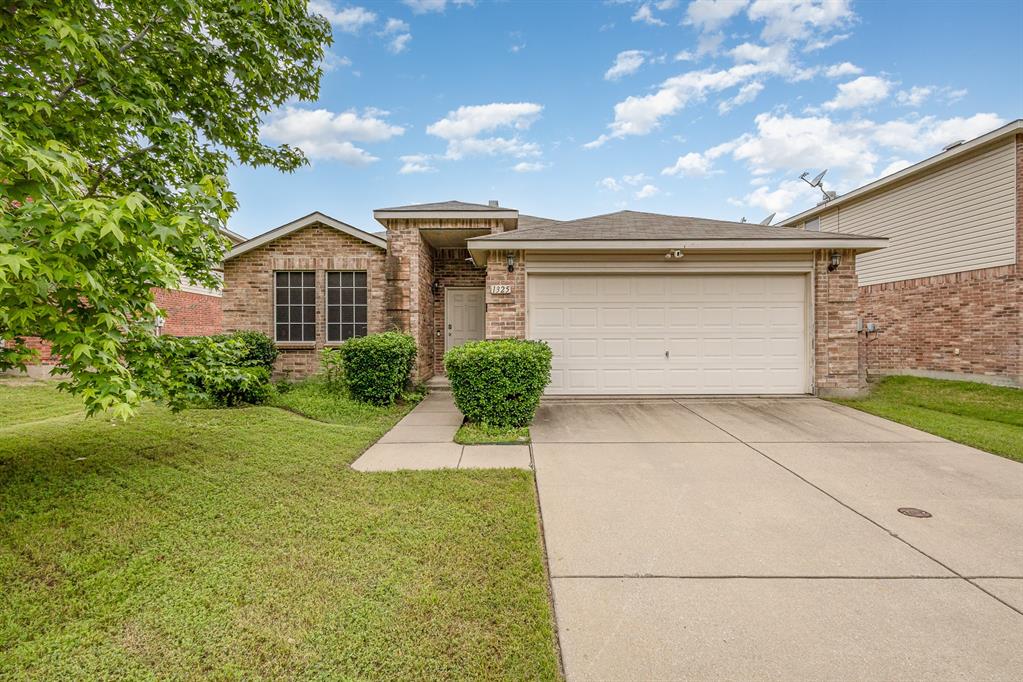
[631,303]
[945,298]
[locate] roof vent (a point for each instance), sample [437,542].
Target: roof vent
[493,203]
[952,146]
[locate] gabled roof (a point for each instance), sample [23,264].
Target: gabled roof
[528,222]
[444,206]
[315,218]
[1013,128]
[635,231]
[639,226]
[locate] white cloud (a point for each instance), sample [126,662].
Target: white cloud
[626,63]
[646,15]
[399,43]
[789,193]
[918,94]
[332,61]
[395,26]
[349,19]
[323,134]
[709,15]
[610,184]
[820,44]
[635,179]
[468,121]
[528,167]
[709,43]
[931,134]
[842,70]
[895,167]
[746,94]
[861,92]
[694,164]
[424,6]
[664,5]
[641,115]
[684,56]
[416,163]
[800,19]
[490,146]
[647,191]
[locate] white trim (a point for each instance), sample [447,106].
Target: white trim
[306,221]
[1006,130]
[433,215]
[858,244]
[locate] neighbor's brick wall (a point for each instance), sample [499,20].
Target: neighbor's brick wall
[506,313]
[836,344]
[189,314]
[921,322]
[451,269]
[248,287]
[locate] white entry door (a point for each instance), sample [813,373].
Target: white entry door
[681,334]
[463,316]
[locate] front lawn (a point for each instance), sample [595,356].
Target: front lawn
[983,416]
[238,544]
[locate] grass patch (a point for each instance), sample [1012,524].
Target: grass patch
[238,544]
[312,399]
[30,400]
[986,417]
[481,434]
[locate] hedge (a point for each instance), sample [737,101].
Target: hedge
[257,349]
[499,383]
[375,369]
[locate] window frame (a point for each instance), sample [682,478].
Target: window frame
[340,305]
[817,221]
[289,304]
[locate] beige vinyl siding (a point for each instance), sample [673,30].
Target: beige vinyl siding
[960,217]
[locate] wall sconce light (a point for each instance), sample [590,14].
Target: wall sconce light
[435,287]
[835,261]
[511,261]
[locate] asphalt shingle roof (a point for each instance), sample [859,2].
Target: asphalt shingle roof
[634,225]
[447,206]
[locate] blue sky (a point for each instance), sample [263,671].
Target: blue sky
[568,109]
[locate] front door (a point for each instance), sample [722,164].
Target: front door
[463,316]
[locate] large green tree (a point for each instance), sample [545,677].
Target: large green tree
[118,122]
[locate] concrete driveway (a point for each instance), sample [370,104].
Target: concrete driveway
[761,539]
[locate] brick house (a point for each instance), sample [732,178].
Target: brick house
[631,303]
[946,298]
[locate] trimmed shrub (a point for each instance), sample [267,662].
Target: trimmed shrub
[257,349]
[376,368]
[499,383]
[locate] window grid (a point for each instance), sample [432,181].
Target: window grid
[347,306]
[295,306]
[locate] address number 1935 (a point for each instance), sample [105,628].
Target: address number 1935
[500,288]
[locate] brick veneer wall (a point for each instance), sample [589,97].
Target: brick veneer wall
[506,313]
[189,313]
[837,368]
[248,287]
[922,322]
[450,269]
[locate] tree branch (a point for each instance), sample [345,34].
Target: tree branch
[105,171]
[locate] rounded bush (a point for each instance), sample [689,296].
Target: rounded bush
[376,368]
[258,349]
[499,383]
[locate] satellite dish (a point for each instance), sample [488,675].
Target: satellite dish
[817,180]
[768,219]
[743,219]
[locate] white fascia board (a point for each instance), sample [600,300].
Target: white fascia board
[441,215]
[920,167]
[311,219]
[860,245]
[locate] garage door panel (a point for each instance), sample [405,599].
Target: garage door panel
[734,334]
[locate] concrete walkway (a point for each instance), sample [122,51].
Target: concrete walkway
[424,440]
[762,539]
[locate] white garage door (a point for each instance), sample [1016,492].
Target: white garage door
[684,334]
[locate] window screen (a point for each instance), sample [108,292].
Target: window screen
[346,305]
[295,306]
[813,225]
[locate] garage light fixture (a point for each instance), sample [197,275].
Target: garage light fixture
[674,254]
[835,261]
[511,261]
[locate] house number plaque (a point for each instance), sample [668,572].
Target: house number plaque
[500,288]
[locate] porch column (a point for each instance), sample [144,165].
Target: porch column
[506,296]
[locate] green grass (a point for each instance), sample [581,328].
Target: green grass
[983,416]
[238,544]
[481,434]
[28,400]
